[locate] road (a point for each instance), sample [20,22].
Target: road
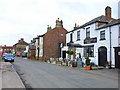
[43,75]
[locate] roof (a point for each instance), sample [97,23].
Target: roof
[22,43]
[114,22]
[6,46]
[101,18]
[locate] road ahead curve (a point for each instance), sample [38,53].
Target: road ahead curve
[43,75]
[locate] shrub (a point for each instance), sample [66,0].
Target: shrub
[87,61]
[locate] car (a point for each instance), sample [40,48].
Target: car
[24,54]
[9,58]
[18,54]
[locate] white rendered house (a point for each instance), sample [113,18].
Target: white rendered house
[97,37]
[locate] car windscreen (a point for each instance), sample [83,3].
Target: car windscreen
[9,55]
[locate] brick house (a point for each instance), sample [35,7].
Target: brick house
[20,46]
[7,49]
[48,44]
[53,39]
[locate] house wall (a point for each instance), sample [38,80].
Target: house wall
[51,41]
[100,43]
[41,47]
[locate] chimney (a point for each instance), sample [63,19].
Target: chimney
[108,13]
[49,28]
[22,39]
[76,26]
[59,23]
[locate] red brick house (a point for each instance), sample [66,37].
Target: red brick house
[53,39]
[7,49]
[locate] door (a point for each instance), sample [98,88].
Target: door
[102,56]
[117,57]
[64,54]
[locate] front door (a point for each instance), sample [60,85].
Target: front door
[117,57]
[64,54]
[102,56]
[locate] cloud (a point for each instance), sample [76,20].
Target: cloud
[29,18]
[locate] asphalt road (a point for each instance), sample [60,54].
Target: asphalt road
[43,75]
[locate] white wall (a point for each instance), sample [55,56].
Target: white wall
[96,33]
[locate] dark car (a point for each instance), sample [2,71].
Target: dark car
[24,54]
[9,58]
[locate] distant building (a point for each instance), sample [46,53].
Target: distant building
[31,49]
[6,49]
[20,46]
[39,46]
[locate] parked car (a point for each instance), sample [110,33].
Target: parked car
[24,54]
[9,58]
[18,54]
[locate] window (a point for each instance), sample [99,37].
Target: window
[71,38]
[119,32]
[102,35]
[78,35]
[88,32]
[89,51]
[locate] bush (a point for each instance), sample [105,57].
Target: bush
[87,61]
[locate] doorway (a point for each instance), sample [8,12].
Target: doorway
[102,56]
[64,54]
[117,57]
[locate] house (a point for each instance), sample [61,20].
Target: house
[39,46]
[95,39]
[48,44]
[110,42]
[20,46]
[53,40]
[6,49]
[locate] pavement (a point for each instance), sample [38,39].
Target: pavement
[9,77]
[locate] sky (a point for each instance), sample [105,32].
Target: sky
[29,18]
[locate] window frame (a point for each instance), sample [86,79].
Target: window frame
[88,32]
[87,51]
[78,35]
[102,35]
[71,37]
[119,33]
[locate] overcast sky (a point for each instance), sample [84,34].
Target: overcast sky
[29,18]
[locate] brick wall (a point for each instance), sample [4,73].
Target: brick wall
[51,42]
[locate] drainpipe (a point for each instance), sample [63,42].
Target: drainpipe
[38,47]
[110,47]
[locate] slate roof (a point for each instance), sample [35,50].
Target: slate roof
[101,18]
[22,43]
[114,22]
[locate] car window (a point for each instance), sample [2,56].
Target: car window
[9,55]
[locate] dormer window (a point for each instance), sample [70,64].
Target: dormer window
[102,35]
[88,32]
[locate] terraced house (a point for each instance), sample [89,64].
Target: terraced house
[98,39]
